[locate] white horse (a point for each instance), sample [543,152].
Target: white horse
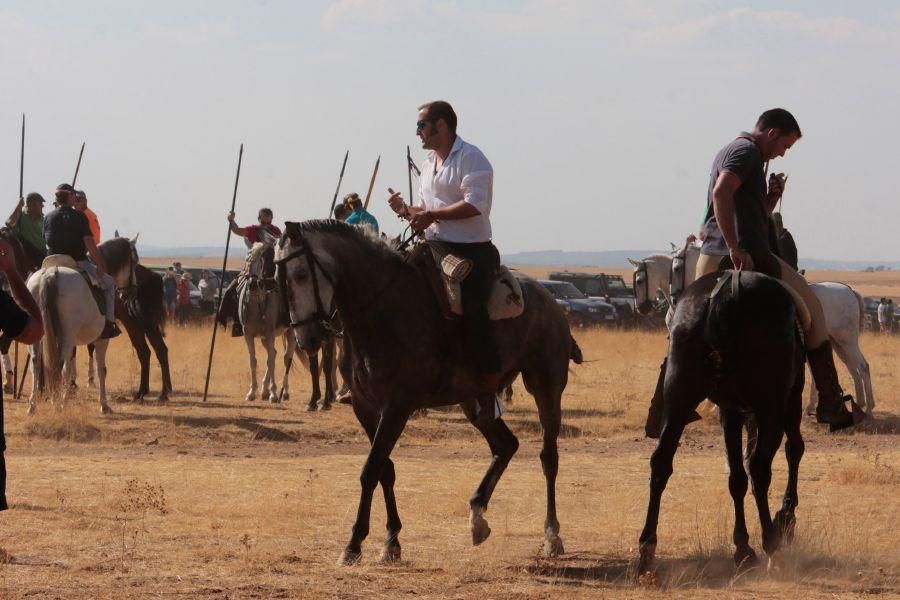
[71,318]
[844,313]
[260,309]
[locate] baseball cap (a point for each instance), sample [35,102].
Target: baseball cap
[65,187]
[35,196]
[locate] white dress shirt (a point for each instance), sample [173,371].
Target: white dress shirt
[465,175]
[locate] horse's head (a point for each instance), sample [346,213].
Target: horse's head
[23,264]
[641,285]
[307,285]
[121,258]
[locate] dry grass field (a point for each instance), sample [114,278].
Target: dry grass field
[191,500]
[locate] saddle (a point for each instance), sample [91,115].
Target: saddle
[732,278]
[445,273]
[66,261]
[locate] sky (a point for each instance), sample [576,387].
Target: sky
[601,118]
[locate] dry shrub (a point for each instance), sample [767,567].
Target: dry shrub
[69,423]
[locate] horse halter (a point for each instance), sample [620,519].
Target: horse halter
[645,284]
[321,315]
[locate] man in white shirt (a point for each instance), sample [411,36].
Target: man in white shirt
[454,206]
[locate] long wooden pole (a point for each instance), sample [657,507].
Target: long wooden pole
[21,197]
[338,188]
[409,169]
[372,183]
[212,344]
[78,166]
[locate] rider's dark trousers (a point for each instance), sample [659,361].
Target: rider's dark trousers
[476,291]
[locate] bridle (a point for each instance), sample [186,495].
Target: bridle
[645,284]
[129,291]
[321,315]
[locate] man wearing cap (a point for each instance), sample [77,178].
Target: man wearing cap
[456,191]
[80,204]
[67,231]
[360,216]
[265,232]
[29,223]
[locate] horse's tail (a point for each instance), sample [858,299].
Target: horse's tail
[48,302]
[575,354]
[862,309]
[151,298]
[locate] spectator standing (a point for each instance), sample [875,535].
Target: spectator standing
[889,315]
[209,285]
[170,291]
[882,315]
[184,299]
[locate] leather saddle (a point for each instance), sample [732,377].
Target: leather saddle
[66,261]
[445,273]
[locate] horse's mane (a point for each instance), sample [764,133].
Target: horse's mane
[363,235]
[659,256]
[116,253]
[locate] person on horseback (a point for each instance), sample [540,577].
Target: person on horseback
[359,215]
[266,232]
[454,206]
[29,223]
[736,233]
[67,231]
[80,204]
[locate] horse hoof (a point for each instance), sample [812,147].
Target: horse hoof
[250,397]
[311,407]
[553,547]
[105,409]
[645,575]
[349,558]
[163,398]
[390,553]
[31,409]
[745,558]
[325,406]
[479,526]
[285,397]
[776,563]
[90,382]
[785,522]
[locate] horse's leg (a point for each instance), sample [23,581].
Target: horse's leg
[328,366]
[101,346]
[503,444]
[682,394]
[314,374]
[391,551]
[140,348]
[92,372]
[288,346]
[269,389]
[770,430]
[732,428]
[390,426]
[813,400]
[67,375]
[856,363]
[251,352]
[155,337]
[36,359]
[793,452]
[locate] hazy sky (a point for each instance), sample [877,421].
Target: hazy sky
[601,118]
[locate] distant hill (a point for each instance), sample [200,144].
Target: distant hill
[539,258]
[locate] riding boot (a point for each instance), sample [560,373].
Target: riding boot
[653,426]
[237,330]
[110,330]
[831,407]
[228,306]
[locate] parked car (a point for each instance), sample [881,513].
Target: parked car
[612,289]
[583,311]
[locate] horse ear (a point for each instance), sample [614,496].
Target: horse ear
[634,263]
[674,247]
[134,240]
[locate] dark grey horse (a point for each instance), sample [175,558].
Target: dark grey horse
[741,349]
[389,313]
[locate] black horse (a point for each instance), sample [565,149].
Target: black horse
[389,314]
[736,341]
[141,310]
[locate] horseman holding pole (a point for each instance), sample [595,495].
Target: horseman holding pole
[67,231]
[454,207]
[265,231]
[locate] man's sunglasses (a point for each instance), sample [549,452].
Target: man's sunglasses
[420,125]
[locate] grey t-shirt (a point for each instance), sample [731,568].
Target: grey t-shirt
[742,158]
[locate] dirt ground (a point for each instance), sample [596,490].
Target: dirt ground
[196,500]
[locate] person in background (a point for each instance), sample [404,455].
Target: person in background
[184,299]
[80,203]
[341,212]
[170,291]
[20,319]
[208,286]
[359,216]
[176,266]
[882,315]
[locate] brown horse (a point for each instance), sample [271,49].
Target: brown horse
[390,313]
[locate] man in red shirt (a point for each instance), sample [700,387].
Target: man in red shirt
[80,203]
[265,232]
